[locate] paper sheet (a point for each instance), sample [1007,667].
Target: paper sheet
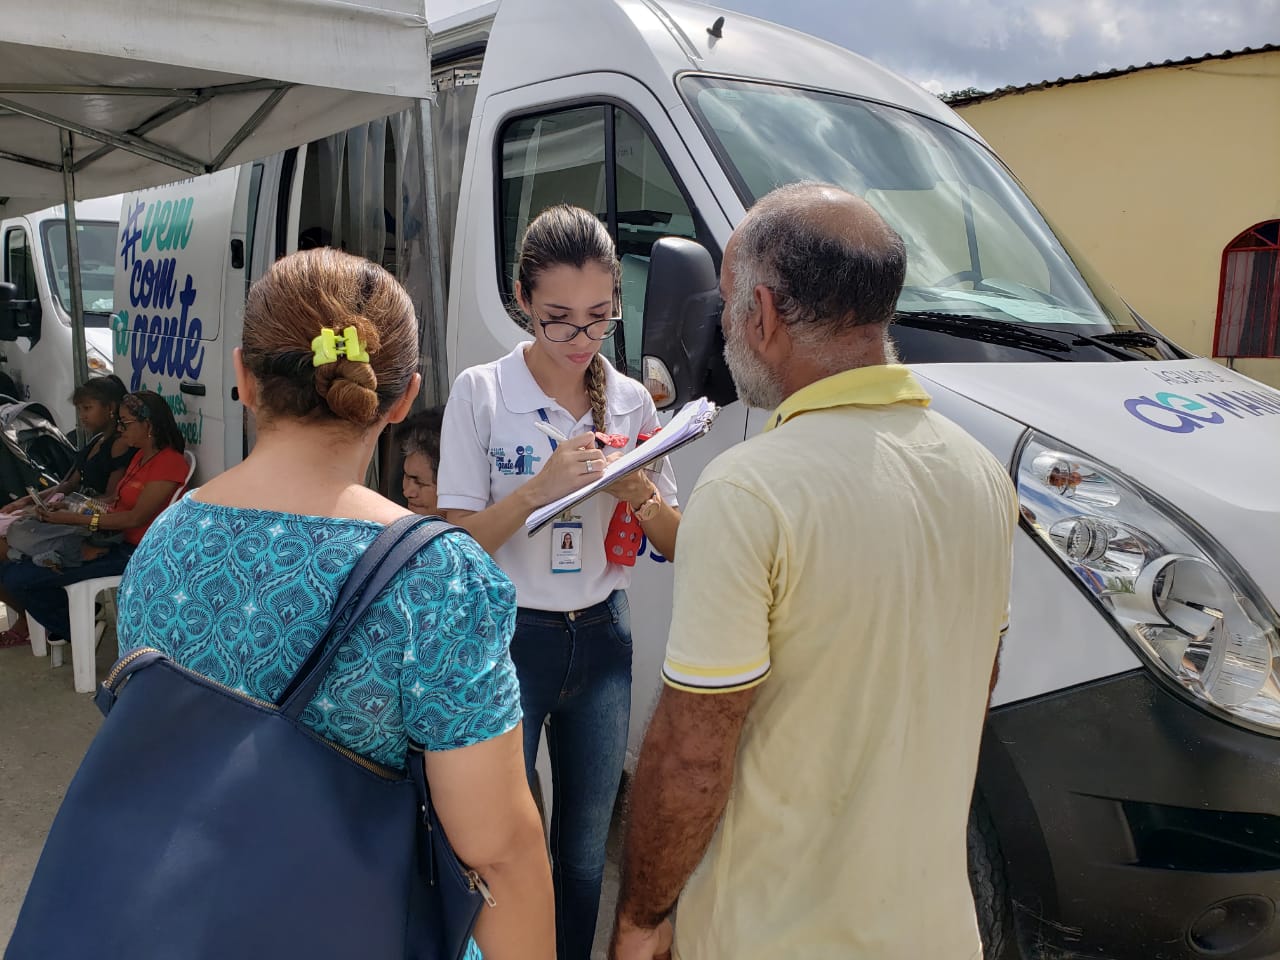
[693,420]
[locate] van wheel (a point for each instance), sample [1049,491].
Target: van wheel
[990,885]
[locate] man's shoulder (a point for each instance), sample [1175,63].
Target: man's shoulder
[746,468]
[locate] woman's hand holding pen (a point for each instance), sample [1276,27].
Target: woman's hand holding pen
[576,462]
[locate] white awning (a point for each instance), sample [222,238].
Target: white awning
[155,90]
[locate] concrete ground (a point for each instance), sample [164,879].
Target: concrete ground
[45,729]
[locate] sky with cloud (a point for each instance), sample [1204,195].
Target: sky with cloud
[951,44]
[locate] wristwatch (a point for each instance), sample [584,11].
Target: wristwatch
[649,509]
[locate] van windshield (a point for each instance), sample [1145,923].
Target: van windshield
[97,266]
[977,248]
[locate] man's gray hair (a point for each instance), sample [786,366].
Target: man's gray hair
[823,284]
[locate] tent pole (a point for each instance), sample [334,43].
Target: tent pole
[79,359]
[435,387]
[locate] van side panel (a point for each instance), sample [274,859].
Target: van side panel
[170,291]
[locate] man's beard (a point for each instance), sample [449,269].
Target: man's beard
[757,385]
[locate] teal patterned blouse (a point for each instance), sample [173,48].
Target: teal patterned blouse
[241,596]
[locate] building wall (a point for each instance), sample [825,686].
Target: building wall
[1150,175]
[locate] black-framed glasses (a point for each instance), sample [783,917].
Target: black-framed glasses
[562,331]
[122,423]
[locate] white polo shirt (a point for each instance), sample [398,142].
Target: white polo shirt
[489,446]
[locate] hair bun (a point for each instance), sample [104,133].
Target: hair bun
[350,387]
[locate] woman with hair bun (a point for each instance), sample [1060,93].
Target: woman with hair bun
[498,463]
[237,581]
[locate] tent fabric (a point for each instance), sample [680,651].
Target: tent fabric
[160,68]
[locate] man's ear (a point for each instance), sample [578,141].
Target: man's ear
[769,330]
[246,384]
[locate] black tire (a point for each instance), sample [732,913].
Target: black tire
[990,885]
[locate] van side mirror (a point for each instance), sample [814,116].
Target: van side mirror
[18,318]
[681,321]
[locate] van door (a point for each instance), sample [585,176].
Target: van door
[602,142]
[170,292]
[20,270]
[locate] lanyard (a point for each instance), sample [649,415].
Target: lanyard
[542,413]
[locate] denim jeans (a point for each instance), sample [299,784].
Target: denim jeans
[575,669]
[38,590]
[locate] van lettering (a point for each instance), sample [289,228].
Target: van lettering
[1160,416]
[1222,403]
[152,283]
[1265,403]
[168,346]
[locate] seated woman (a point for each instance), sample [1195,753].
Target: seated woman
[96,471]
[154,475]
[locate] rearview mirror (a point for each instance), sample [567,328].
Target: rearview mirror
[681,321]
[18,318]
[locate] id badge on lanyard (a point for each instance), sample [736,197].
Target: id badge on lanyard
[566,534]
[566,545]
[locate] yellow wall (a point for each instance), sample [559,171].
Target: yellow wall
[1150,175]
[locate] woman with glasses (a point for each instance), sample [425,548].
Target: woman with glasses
[153,476]
[520,433]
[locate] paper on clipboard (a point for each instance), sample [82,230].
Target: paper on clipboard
[693,421]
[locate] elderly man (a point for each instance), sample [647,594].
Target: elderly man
[841,592]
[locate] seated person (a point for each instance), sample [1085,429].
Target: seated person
[420,444]
[154,475]
[97,469]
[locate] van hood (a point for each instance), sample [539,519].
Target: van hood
[1201,436]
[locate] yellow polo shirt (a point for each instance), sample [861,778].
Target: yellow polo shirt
[853,561]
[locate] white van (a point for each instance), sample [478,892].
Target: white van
[1127,803]
[35,327]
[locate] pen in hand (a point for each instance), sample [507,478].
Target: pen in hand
[550,431]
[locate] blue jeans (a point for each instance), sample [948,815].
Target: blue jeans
[38,590]
[575,668]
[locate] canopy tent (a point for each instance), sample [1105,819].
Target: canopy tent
[100,98]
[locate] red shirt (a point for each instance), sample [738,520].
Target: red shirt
[168,465]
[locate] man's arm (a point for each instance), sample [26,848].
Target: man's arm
[680,790]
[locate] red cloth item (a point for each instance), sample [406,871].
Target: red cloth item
[167,465]
[622,539]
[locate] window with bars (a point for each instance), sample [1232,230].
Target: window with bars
[1249,295]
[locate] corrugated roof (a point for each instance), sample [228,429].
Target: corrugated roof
[959,101]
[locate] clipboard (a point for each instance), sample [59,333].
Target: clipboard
[693,421]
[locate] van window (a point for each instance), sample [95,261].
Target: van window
[599,157]
[975,244]
[19,268]
[96,240]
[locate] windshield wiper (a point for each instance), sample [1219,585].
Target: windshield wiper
[971,327]
[1120,338]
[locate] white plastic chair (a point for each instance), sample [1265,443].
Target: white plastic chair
[81,598]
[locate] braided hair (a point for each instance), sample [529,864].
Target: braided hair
[565,235]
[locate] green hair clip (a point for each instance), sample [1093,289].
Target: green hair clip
[329,346]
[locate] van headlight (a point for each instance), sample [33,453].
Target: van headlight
[1188,608]
[98,363]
